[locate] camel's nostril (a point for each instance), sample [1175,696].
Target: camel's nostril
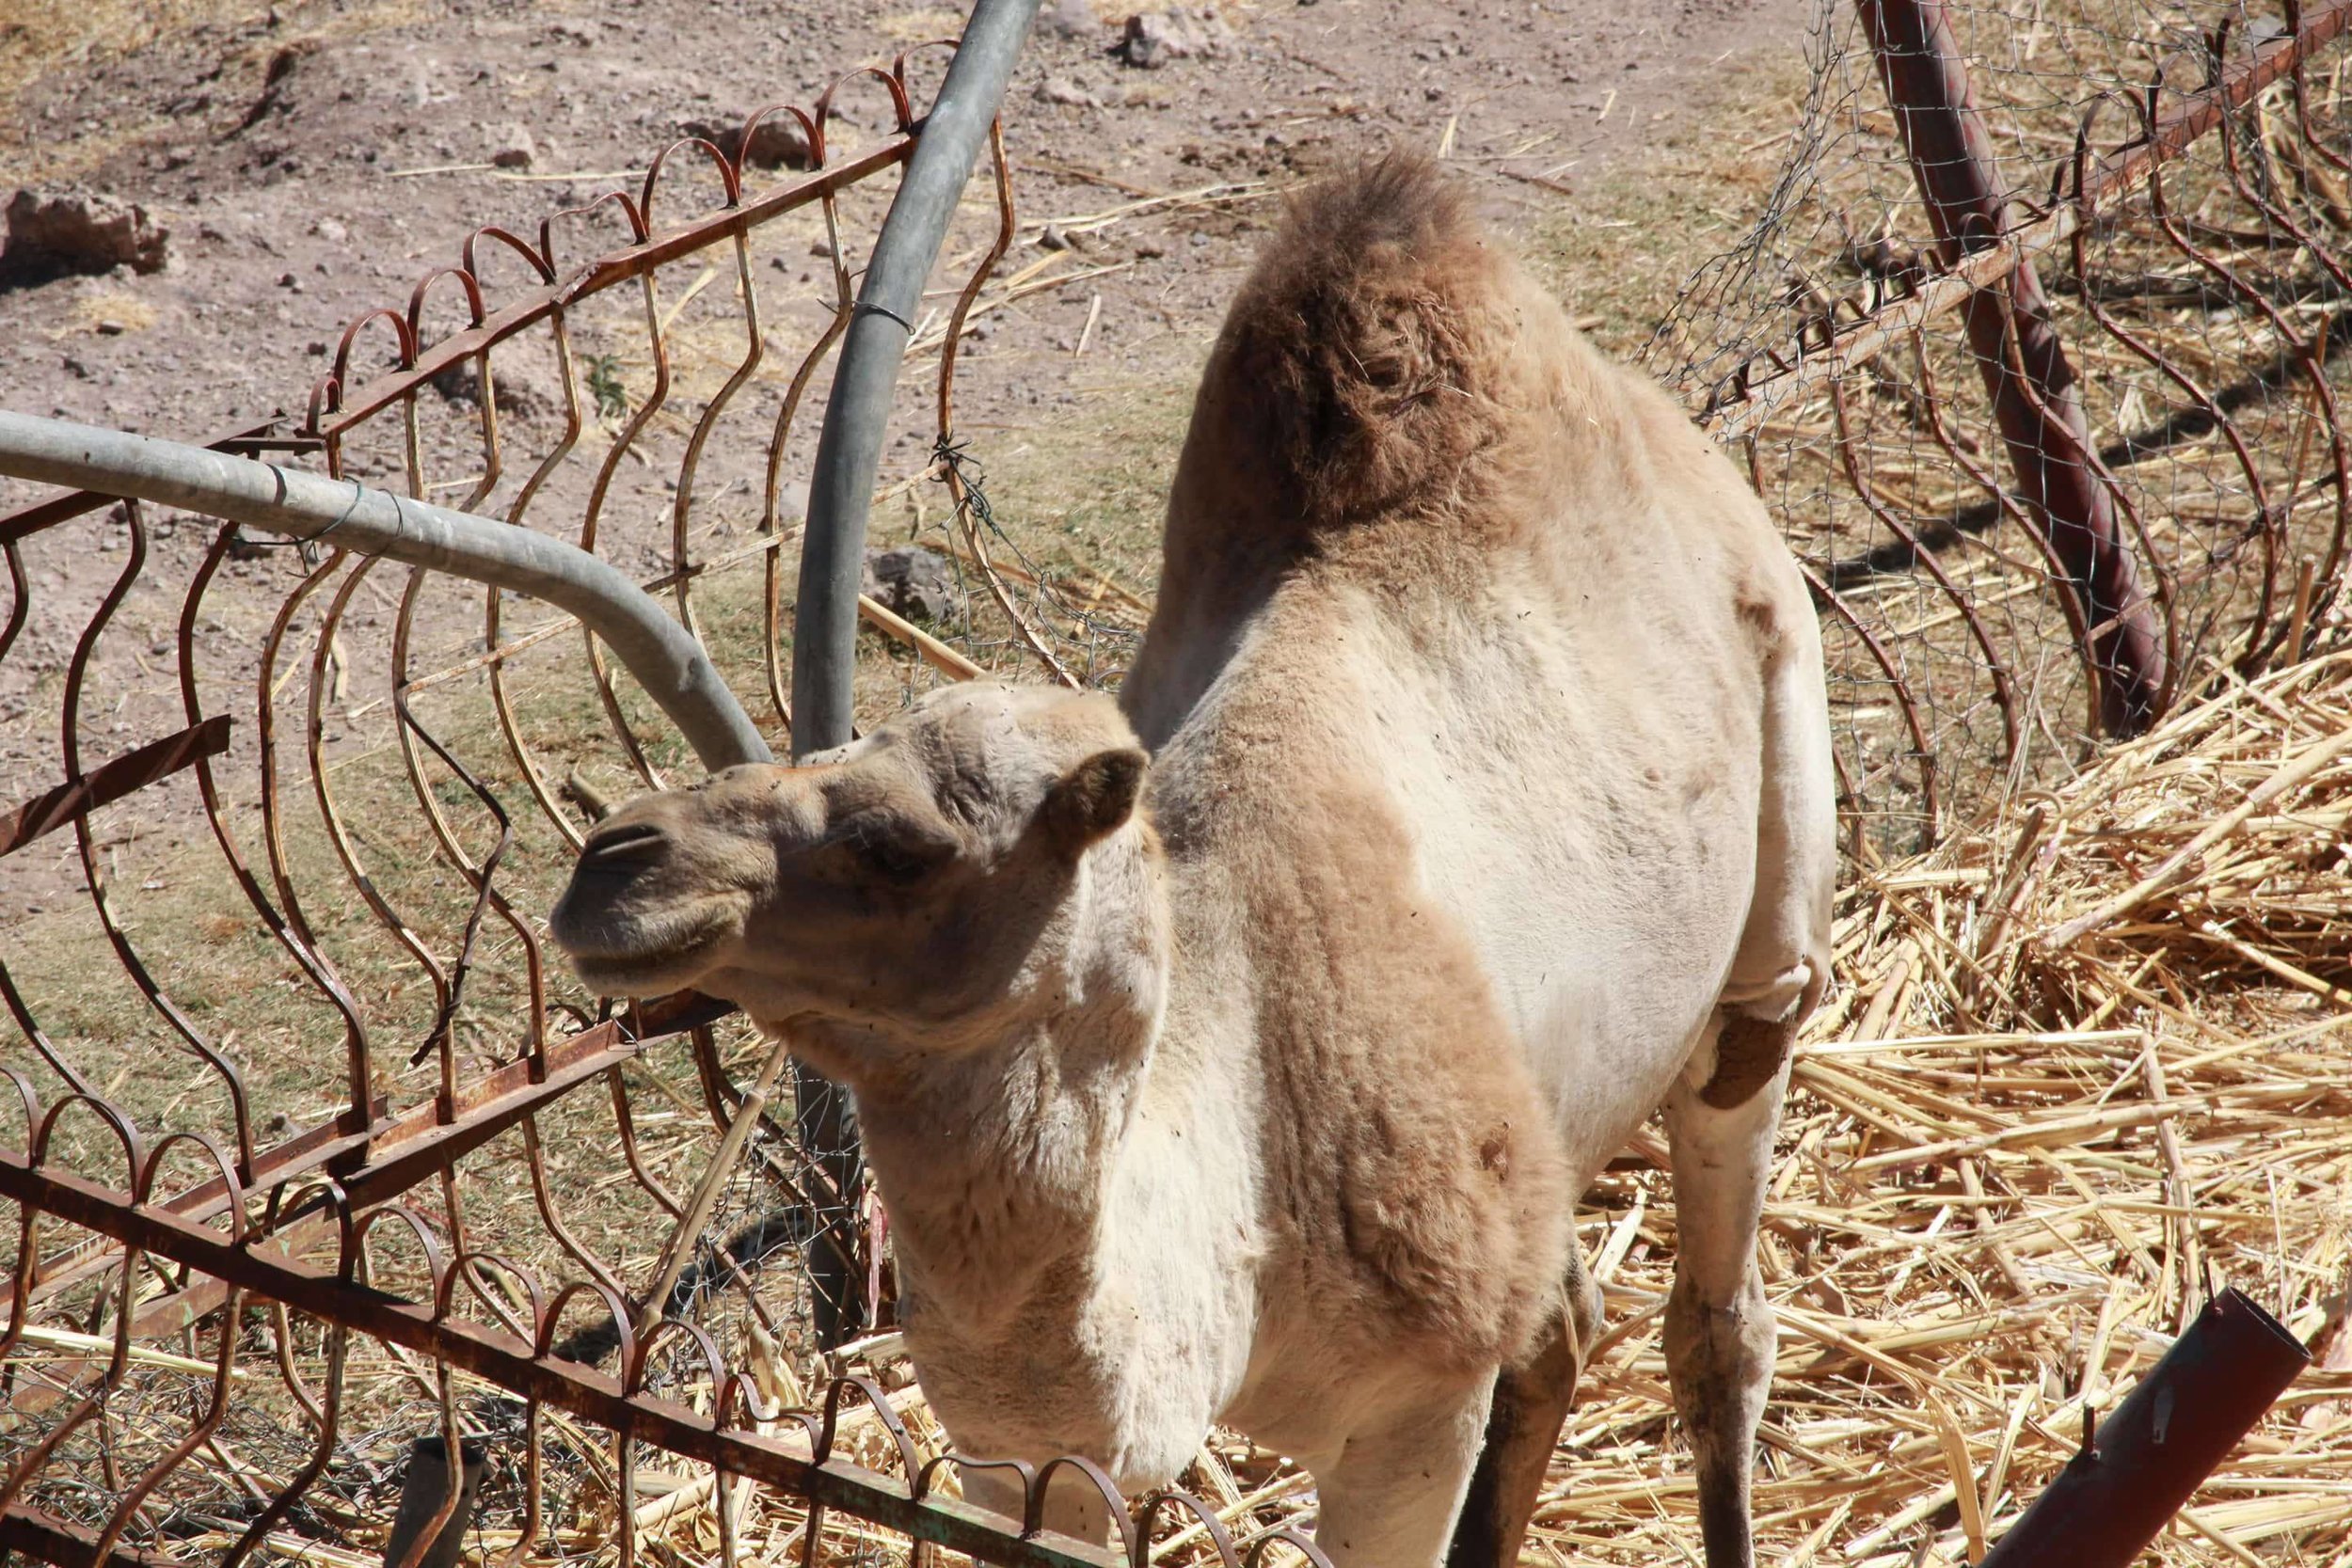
[629,844]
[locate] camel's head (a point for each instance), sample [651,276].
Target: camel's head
[919,882]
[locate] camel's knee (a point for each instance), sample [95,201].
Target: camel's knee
[1752,1035]
[1718,1352]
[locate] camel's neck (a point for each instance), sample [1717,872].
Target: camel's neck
[1015,1171]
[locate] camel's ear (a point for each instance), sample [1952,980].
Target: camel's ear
[1093,799]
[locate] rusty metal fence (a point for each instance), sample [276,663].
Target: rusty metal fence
[316,1156]
[321,1169]
[2036,352]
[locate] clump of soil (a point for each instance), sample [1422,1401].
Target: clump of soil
[53,230]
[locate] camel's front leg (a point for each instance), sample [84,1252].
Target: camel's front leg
[1531,1402]
[1391,1497]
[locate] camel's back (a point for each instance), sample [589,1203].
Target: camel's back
[1439,575]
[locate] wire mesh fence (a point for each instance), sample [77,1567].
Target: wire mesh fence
[2162,195]
[320,1156]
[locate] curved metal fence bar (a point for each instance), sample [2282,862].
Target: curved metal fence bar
[672,667]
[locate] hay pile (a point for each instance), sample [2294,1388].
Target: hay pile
[2079,1063]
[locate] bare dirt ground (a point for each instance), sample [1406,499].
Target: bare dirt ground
[285,149]
[310,161]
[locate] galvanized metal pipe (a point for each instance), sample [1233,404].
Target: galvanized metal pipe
[841,492]
[660,653]
[857,412]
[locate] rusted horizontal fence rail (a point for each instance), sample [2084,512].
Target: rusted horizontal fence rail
[339,1295]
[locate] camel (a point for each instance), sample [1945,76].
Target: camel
[1236,1052]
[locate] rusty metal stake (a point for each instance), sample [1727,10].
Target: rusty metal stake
[2148,1456]
[1926,73]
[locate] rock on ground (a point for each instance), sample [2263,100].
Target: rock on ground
[1153,39]
[513,149]
[65,229]
[516,386]
[777,141]
[915,583]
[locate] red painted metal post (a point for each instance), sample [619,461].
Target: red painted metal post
[1926,74]
[2147,1458]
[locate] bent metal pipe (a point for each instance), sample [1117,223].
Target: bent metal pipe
[669,663]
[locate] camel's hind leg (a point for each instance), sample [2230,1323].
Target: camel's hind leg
[1719,1327]
[1723,1112]
[1530,1404]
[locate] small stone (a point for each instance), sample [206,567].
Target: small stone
[331,232]
[74,367]
[518,388]
[915,583]
[55,230]
[1054,239]
[1149,251]
[317,349]
[513,150]
[1072,18]
[109,327]
[1062,89]
[1151,41]
[777,141]
[289,282]
[1155,39]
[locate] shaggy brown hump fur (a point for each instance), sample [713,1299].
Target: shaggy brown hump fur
[1362,350]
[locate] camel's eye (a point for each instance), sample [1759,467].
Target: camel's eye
[884,852]
[894,862]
